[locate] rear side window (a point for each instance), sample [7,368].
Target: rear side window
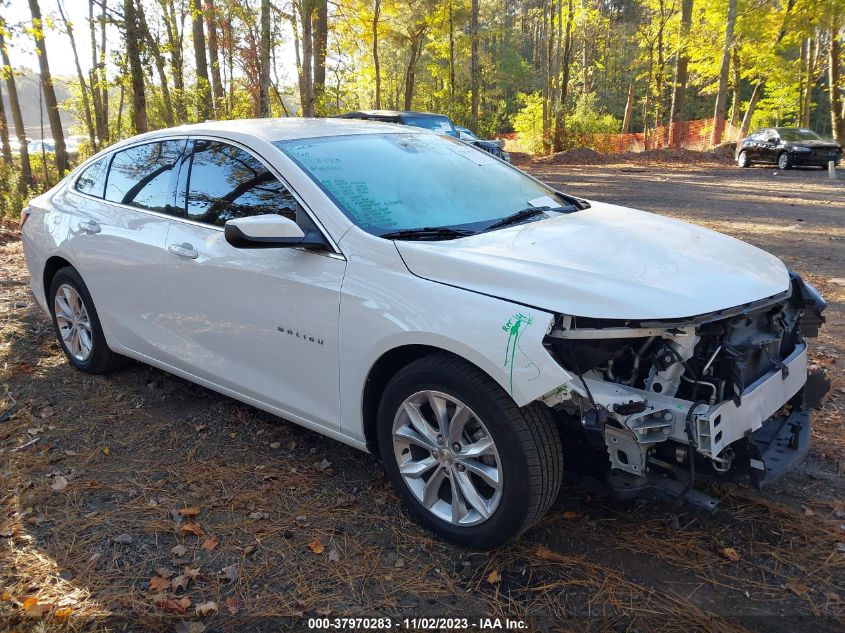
[227,183]
[93,179]
[142,176]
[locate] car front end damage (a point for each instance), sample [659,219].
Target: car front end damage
[663,404]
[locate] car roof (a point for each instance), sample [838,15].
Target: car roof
[395,113]
[281,129]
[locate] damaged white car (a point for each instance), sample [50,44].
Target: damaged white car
[412,296]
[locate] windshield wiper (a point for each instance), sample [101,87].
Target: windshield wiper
[524,214]
[427,233]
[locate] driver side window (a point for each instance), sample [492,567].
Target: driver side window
[226,183]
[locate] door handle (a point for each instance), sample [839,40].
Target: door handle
[89,227]
[185,251]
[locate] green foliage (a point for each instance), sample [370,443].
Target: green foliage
[528,123]
[589,122]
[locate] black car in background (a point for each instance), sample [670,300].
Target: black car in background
[436,122]
[787,147]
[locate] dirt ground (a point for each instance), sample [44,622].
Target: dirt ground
[132,501]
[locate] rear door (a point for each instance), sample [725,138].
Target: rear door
[261,322]
[119,240]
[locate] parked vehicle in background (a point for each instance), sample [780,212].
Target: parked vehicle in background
[787,147]
[409,295]
[42,145]
[429,121]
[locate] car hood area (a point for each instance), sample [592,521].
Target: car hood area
[606,262]
[815,144]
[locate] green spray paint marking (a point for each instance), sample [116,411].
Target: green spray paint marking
[515,326]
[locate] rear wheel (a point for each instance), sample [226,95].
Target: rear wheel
[468,463]
[77,325]
[784,161]
[742,160]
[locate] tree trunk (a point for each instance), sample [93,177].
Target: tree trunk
[410,72]
[736,85]
[307,76]
[321,36]
[629,111]
[681,75]
[47,89]
[214,56]
[377,68]
[560,123]
[474,70]
[136,71]
[203,84]
[97,76]
[15,107]
[174,44]
[752,104]
[4,133]
[158,59]
[722,92]
[83,86]
[451,55]
[809,83]
[837,123]
[264,62]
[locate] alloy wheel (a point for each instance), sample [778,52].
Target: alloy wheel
[73,322]
[783,161]
[743,159]
[447,458]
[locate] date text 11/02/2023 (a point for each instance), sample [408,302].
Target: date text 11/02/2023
[432,623]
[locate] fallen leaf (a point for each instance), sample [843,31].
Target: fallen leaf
[206,608]
[322,464]
[6,597]
[189,512]
[191,627]
[569,514]
[230,573]
[191,528]
[232,605]
[164,572]
[123,539]
[179,551]
[210,543]
[106,450]
[797,587]
[157,583]
[334,556]
[10,532]
[494,577]
[259,515]
[63,615]
[34,609]
[324,611]
[180,582]
[832,596]
[316,546]
[172,604]
[59,483]
[275,444]
[808,512]
[731,554]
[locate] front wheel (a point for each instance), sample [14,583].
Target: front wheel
[742,160]
[784,161]
[468,463]
[77,324]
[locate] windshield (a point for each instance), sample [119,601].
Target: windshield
[440,124]
[392,182]
[799,134]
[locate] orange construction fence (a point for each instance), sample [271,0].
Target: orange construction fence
[696,135]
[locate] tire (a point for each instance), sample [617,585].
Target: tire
[526,453]
[742,160]
[784,161]
[99,358]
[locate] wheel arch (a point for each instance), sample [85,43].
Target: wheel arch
[385,367]
[53,265]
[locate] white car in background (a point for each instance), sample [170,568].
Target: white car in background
[409,295]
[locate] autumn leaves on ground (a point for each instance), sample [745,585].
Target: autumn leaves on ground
[139,498]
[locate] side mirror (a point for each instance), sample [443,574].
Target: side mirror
[773,139]
[270,231]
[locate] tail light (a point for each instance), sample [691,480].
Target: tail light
[25,216]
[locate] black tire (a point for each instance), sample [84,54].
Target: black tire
[101,359]
[784,161]
[527,441]
[742,160]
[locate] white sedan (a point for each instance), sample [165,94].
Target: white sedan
[408,295]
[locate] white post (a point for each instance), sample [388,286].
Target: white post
[831,169]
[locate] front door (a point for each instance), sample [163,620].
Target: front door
[261,322]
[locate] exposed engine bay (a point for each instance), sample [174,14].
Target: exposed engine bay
[717,391]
